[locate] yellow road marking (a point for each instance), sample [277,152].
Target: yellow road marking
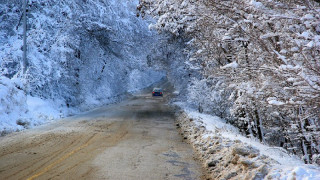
[59,160]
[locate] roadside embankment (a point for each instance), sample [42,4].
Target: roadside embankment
[226,154]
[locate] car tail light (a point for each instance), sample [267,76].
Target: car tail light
[160,92]
[152,92]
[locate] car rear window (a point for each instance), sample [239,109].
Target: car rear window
[157,90]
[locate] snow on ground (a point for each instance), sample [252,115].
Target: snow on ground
[230,65]
[206,131]
[19,111]
[10,107]
[44,110]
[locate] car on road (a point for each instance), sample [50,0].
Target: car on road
[157,92]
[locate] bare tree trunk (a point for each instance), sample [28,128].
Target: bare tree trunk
[305,143]
[259,126]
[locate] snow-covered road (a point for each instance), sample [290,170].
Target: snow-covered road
[135,139]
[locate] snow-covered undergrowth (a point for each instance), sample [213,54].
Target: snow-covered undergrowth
[227,154]
[19,111]
[12,104]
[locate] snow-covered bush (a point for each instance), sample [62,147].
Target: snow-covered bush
[19,111]
[13,105]
[206,94]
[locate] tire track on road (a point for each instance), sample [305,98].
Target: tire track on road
[61,159]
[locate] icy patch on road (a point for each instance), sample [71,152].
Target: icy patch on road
[227,153]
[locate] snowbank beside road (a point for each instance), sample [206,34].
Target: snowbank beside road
[19,111]
[43,110]
[227,154]
[10,104]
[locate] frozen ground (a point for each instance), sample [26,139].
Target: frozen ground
[227,153]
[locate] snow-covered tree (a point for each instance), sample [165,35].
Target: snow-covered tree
[267,55]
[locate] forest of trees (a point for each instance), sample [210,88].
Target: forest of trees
[260,64]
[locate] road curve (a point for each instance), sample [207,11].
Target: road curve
[135,139]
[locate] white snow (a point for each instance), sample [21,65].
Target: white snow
[289,167]
[256,4]
[268,35]
[176,93]
[11,108]
[18,111]
[305,34]
[44,109]
[298,173]
[274,101]
[307,17]
[289,67]
[310,44]
[226,37]
[234,64]
[283,51]
[283,58]
[294,49]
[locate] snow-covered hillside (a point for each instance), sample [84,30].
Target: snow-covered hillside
[80,55]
